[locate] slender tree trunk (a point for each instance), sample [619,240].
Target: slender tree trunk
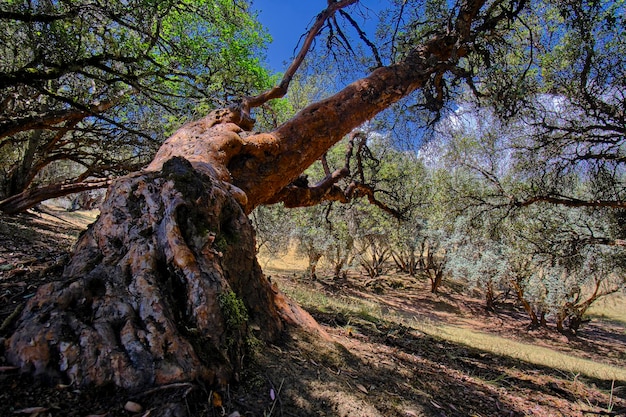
[20,175]
[490,304]
[314,258]
[519,291]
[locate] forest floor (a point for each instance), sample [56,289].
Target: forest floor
[392,349]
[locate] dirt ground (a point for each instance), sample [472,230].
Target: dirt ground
[367,367]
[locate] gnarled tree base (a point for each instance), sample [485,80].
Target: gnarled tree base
[164,287]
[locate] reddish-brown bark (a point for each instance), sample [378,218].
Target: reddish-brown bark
[263,164]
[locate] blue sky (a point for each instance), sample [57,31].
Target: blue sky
[286,21]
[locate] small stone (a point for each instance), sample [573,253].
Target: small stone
[133,407]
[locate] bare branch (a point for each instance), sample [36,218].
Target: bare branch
[356,190]
[363,37]
[299,194]
[37,17]
[281,89]
[571,202]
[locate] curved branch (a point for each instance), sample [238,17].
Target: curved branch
[394,49]
[357,189]
[281,89]
[301,195]
[363,37]
[29,75]
[36,17]
[51,119]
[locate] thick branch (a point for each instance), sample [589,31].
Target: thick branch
[32,76]
[604,241]
[31,197]
[52,118]
[298,143]
[571,202]
[261,166]
[301,195]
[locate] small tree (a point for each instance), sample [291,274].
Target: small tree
[273,226]
[572,291]
[311,235]
[480,262]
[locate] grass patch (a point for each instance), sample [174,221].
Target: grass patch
[537,355]
[612,308]
[310,299]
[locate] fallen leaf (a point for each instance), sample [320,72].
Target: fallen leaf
[272,394]
[133,407]
[361,388]
[234,414]
[217,400]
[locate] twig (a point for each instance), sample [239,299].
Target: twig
[12,317]
[277,398]
[187,385]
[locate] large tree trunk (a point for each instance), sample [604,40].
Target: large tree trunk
[163,287]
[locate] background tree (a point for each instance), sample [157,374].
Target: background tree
[273,226]
[557,107]
[91,89]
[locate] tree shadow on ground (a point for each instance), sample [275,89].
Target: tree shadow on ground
[384,369]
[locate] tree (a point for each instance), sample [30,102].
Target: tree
[157,287]
[544,127]
[311,235]
[560,102]
[91,89]
[273,227]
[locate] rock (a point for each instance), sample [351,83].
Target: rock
[133,407]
